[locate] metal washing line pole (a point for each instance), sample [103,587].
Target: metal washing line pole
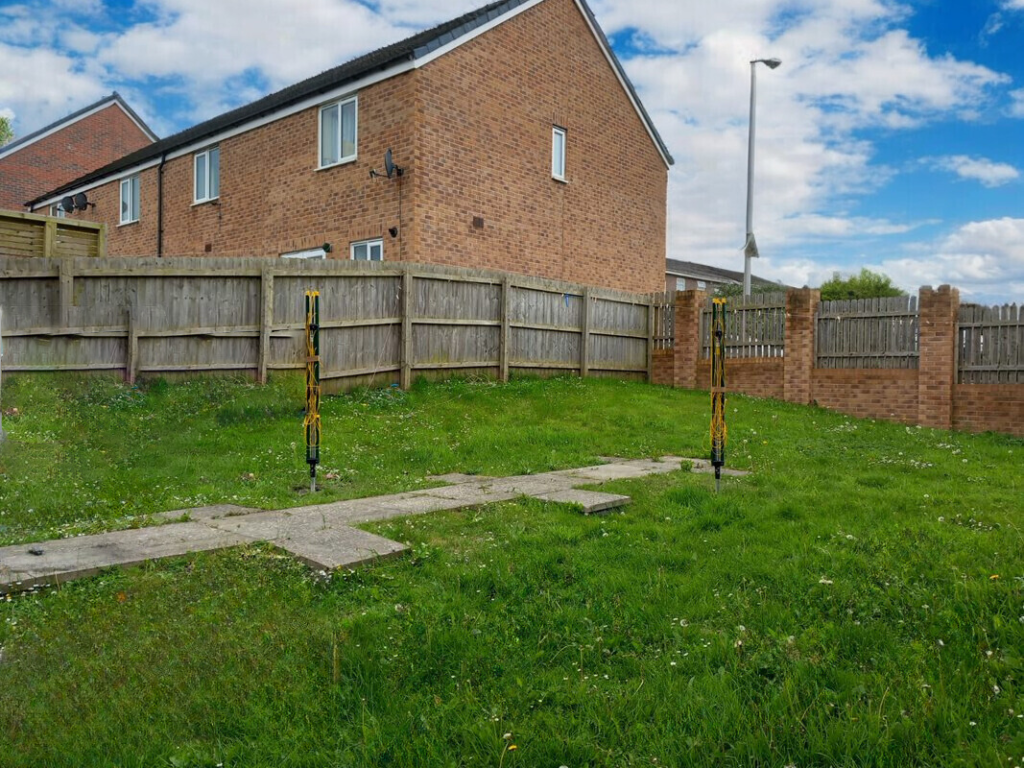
[750,247]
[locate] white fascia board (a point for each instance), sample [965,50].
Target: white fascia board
[7,151]
[149,134]
[625,87]
[498,20]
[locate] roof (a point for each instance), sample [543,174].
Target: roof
[711,274]
[113,98]
[409,50]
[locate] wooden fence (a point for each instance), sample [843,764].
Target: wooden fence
[755,326]
[380,322]
[991,345]
[664,320]
[31,235]
[867,333]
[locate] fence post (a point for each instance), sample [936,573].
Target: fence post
[585,336]
[798,360]
[67,290]
[405,376]
[652,316]
[687,343]
[936,375]
[131,364]
[506,299]
[266,322]
[49,239]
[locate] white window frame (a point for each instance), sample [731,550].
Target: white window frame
[134,199]
[558,157]
[58,211]
[204,157]
[379,241]
[342,159]
[307,253]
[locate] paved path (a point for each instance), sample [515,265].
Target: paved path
[320,535]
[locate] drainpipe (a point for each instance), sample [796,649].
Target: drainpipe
[160,207]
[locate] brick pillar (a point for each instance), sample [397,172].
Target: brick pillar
[936,374]
[687,351]
[801,307]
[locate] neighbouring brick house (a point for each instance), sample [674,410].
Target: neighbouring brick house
[523,147]
[690,276]
[61,152]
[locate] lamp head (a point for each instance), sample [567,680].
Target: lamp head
[772,63]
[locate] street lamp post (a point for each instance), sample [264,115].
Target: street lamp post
[750,247]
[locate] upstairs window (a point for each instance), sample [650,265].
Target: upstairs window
[368,250]
[558,153]
[338,132]
[130,200]
[58,211]
[207,175]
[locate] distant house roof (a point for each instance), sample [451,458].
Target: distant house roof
[710,274]
[74,117]
[391,57]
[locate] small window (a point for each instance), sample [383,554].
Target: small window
[58,211]
[130,200]
[701,285]
[338,132]
[558,153]
[207,175]
[308,253]
[368,250]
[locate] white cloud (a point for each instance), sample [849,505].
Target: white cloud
[1013,5]
[988,172]
[983,258]
[1017,103]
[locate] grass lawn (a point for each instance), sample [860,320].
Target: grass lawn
[858,601]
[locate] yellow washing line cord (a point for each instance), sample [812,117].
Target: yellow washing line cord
[313,387]
[719,431]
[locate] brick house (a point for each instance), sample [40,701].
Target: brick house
[522,147]
[690,276]
[63,151]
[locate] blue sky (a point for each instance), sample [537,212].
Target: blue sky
[891,137]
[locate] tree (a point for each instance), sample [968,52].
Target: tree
[6,134]
[866,285]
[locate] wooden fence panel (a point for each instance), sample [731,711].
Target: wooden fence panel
[29,235]
[868,333]
[991,345]
[664,320]
[248,315]
[755,326]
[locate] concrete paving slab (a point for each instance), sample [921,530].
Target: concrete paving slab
[472,493]
[212,512]
[74,558]
[592,502]
[531,485]
[340,547]
[456,478]
[608,472]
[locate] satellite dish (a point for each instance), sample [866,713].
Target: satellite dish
[81,201]
[68,204]
[389,165]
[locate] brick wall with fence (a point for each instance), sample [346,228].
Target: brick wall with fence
[924,359]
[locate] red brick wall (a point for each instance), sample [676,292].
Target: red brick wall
[487,112]
[868,393]
[272,197]
[926,396]
[63,156]
[757,376]
[473,131]
[989,407]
